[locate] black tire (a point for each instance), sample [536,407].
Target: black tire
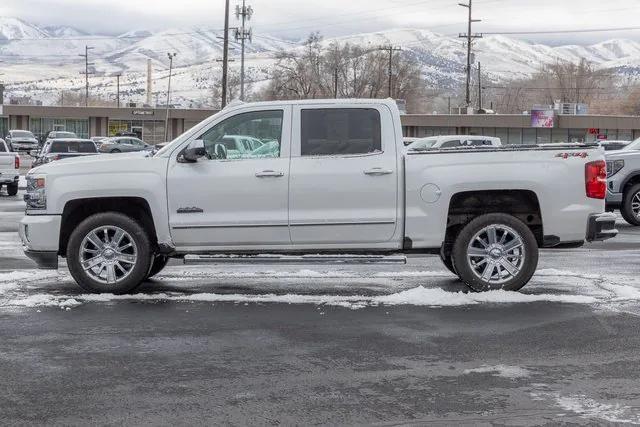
[448,262]
[140,268]
[529,256]
[12,189]
[115,151]
[158,264]
[627,205]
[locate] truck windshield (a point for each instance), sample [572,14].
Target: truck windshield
[21,134]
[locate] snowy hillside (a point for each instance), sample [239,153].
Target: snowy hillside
[41,62]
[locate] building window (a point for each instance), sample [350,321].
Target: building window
[559,135]
[529,136]
[577,135]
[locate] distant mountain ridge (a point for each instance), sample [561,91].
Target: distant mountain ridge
[32,53]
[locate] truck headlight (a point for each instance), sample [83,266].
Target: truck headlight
[614,166]
[35,198]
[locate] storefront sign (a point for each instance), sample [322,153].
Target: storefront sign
[142,112]
[542,118]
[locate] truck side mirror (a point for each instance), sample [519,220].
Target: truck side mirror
[193,152]
[34,153]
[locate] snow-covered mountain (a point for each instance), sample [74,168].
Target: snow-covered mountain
[39,62]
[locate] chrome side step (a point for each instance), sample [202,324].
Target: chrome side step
[295,259]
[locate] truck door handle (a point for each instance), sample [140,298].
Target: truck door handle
[269,174]
[378,172]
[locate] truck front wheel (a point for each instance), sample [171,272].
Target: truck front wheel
[109,253]
[495,251]
[631,206]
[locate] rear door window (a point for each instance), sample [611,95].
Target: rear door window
[451,143]
[340,132]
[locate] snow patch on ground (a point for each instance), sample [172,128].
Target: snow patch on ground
[504,371]
[419,296]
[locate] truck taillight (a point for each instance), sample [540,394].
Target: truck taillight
[16,164]
[596,179]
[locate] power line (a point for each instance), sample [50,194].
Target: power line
[558,31]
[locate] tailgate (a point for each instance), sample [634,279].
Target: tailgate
[7,161]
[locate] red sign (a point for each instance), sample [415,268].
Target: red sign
[594,131]
[602,137]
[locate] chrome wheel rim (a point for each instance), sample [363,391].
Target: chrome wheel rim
[635,205]
[496,254]
[108,254]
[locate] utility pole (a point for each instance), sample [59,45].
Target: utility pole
[391,49]
[479,86]
[166,120]
[225,54]
[86,73]
[470,38]
[243,13]
[118,88]
[335,82]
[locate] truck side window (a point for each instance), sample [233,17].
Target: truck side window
[3,148]
[233,133]
[340,131]
[452,143]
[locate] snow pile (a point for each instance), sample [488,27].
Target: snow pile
[504,371]
[419,296]
[590,408]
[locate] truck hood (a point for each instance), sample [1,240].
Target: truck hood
[111,163]
[23,140]
[622,154]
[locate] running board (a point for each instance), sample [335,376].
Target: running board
[295,259]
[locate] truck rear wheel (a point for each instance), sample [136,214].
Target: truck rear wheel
[12,189]
[495,251]
[109,253]
[631,206]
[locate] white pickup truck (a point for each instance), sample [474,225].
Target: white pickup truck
[9,169]
[333,183]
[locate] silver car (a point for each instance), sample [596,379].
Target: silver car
[21,140]
[123,144]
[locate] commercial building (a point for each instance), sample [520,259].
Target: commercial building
[518,129]
[149,124]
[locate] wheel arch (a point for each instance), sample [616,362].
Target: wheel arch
[465,206]
[77,210]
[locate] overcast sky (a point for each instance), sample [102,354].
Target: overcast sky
[295,18]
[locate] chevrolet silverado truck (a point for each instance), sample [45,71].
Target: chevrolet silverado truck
[334,183]
[9,169]
[623,189]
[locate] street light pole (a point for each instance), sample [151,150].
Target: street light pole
[118,88]
[166,121]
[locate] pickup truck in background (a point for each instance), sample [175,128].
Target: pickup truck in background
[337,183]
[623,188]
[9,169]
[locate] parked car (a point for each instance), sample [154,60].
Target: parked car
[341,183]
[454,141]
[57,134]
[98,140]
[612,145]
[58,149]
[21,140]
[9,169]
[123,144]
[623,175]
[240,145]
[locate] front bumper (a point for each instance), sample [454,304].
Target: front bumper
[614,200]
[601,227]
[40,236]
[24,146]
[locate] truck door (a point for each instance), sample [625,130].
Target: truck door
[235,201]
[343,186]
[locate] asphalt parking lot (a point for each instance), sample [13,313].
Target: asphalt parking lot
[323,345]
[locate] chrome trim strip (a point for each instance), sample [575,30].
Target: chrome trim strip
[314,224]
[298,224]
